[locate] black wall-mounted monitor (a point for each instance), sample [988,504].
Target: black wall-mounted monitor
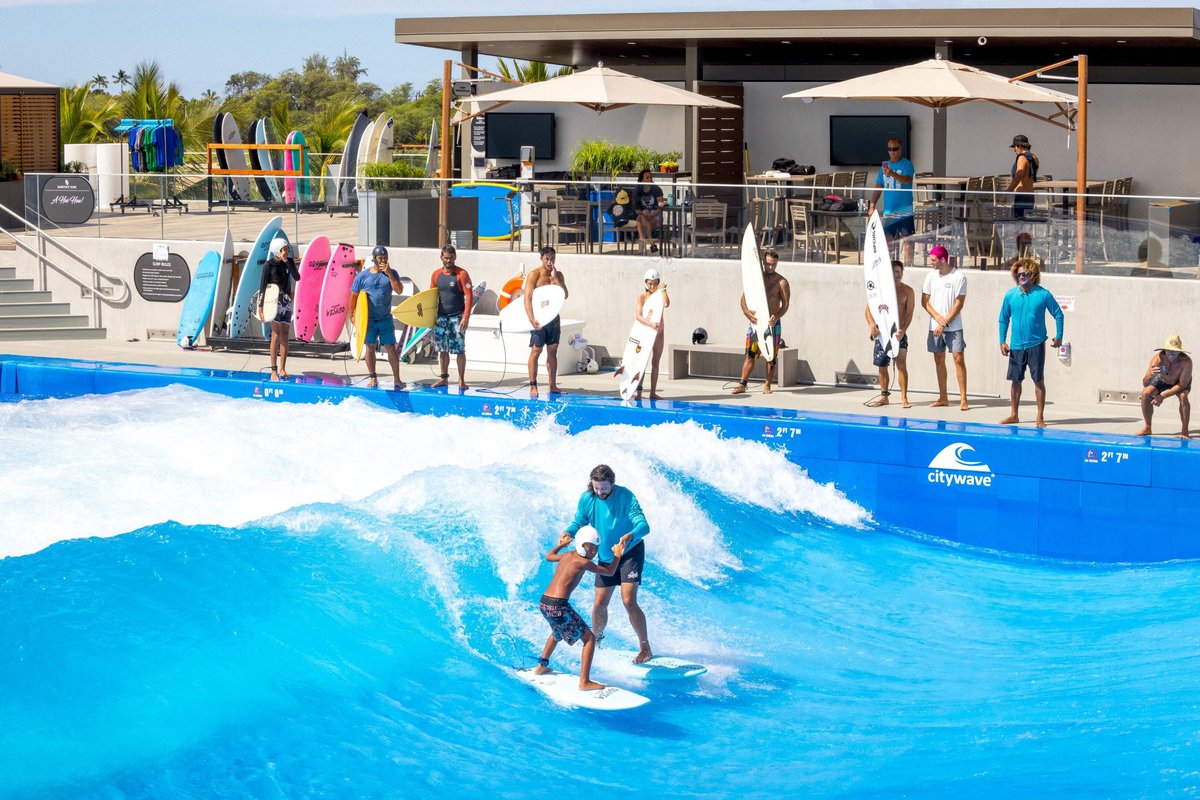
[508,132]
[856,140]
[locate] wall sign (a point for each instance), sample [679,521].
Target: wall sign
[162,280]
[479,133]
[67,199]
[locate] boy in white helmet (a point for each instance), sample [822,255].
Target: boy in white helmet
[565,622]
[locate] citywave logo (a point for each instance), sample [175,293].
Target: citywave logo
[956,465]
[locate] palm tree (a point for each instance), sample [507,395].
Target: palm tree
[121,78]
[82,115]
[531,72]
[100,82]
[328,129]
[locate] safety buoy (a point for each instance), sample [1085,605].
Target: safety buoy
[512,289]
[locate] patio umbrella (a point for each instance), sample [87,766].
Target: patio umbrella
[938,83]
[602,89]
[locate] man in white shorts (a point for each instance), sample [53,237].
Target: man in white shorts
[943,296]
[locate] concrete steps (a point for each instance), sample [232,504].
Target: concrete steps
[28,315]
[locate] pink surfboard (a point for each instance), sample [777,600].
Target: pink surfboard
[289,162]
[308,288]
[335,292]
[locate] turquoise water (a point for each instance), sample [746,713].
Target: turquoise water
[206,597]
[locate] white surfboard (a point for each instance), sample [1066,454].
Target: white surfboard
[547,303]
[235,157]
[754,287]
[384,137]
[365,151]
[563,689]
[664,668]
[224,288]
[270,303]
[881,286]
[640,346]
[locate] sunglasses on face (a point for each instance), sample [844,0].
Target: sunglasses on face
[893,149]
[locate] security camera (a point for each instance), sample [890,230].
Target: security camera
[982,40]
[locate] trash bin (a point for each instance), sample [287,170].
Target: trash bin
[464,240]
[601,199]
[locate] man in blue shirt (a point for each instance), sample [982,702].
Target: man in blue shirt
[379,282]
[613,511]
[1026,305]
[895,184]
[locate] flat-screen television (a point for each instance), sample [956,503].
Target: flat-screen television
[856,140]
[508,132]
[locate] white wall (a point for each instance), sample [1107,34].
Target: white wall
[1112,340]
[1143,131]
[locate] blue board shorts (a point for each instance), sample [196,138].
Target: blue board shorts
[881,359]
[381,331]
[895,227]
[1032,357]
[447,338]
[565,623]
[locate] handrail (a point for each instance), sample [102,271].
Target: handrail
[44,260]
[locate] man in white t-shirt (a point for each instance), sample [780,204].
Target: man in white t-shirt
[943,296]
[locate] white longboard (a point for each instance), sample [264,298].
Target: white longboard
[665,668]
[881,287]
[563,689]
[754,287]
[547,301]
[640,346]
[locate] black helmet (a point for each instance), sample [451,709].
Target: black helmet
[377,251]
[699,336]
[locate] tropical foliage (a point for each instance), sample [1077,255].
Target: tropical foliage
[83,116]
[599,157]
[530,71]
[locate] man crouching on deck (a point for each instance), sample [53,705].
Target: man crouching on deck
[565,622]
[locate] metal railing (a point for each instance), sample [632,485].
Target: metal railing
[102,287]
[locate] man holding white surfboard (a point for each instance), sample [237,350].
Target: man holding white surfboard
[379,282]
[906,300]
[617,516]
[779,298]
[453,313]
[544,336]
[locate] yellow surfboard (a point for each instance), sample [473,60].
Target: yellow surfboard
[420,310]
[360,325]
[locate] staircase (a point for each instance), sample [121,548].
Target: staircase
[29,315]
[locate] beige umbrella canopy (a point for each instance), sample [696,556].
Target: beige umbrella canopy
[938,83]
[601,89]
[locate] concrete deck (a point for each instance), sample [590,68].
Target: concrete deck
[1106,418]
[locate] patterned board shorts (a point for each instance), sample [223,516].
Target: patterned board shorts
[447,338]
[565,623]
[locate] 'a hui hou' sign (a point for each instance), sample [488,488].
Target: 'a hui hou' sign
[68,199]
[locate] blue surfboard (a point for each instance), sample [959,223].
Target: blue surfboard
[197,306]
[239,324]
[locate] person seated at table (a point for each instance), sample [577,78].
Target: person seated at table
[1024,172]
[648,201]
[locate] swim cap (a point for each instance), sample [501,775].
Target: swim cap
[278,243]
[651,275]
[586,536]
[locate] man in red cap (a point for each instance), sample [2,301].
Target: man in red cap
[943,296]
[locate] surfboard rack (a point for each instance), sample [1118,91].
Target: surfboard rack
[295,346]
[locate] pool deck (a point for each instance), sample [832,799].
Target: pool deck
[1105,418]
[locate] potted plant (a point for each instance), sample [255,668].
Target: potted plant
[669,166]
[12,193]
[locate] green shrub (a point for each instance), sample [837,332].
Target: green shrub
[9,171]
[385,174]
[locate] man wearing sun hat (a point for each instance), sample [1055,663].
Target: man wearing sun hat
[1169,375]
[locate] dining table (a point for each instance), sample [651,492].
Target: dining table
[851,223]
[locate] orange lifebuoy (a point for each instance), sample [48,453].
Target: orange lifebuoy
[512,289]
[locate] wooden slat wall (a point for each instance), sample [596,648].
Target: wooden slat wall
[720,134]
[29,131]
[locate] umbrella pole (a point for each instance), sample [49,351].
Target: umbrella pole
[1081,164]
[444,169]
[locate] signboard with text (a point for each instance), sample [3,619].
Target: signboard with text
[162,280]
[67,199]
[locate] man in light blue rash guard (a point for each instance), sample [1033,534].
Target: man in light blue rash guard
[613,511]
[1026,304]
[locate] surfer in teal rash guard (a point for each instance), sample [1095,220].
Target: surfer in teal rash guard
[614,512]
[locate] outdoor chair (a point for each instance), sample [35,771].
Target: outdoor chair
[571,218]
[710,223]
[804,233]
[515,226]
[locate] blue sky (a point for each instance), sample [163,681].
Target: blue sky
[200,44]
